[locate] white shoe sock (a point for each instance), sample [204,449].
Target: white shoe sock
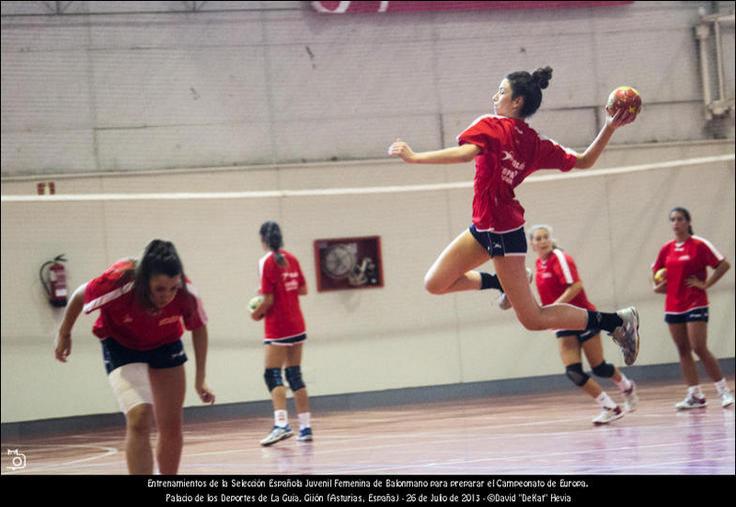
[605,401]
[695,391]
[624,384]
[304,420]
[721,386]
[280,418]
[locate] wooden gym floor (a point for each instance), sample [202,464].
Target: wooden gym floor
[529,434]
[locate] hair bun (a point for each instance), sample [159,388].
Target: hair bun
[542,76]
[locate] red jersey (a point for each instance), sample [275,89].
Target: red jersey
[510,151]
[683,260]
[123,318]
[284,319]
[554,275]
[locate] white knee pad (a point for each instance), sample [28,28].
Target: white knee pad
[131,385]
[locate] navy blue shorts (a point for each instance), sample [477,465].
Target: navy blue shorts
[500,245]
[583,336]
[696,315]
[287,342]
[166,356]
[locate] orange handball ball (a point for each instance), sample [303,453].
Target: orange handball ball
[660,276]
[624,97]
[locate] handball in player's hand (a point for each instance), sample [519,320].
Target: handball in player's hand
[624,97]
[255,303]
[660,276]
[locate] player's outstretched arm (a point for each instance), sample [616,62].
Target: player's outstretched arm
[590,156]
[453,155]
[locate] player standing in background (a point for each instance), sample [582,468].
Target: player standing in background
[685,260]
[506,150]
[142,305]
[282,282]
[557,281]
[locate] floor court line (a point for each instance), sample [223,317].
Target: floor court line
[547,433]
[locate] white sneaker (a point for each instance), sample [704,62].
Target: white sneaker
[277,434]
[692,402]
[631,400]
[726,399]
[503,301]
[626,335]
[607,415]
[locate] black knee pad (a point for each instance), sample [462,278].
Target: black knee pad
[604,370]
[575,373]
[273,379]
[294,377]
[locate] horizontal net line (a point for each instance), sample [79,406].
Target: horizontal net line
[264,194]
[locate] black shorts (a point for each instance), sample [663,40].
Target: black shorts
[583,336]
[500,245]
[695,315]
[166,356]
[286,342]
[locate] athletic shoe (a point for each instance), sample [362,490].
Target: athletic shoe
[726,399]
[691,401]
[305,435]
[607,415]
[277,434]
[503,301]
[626,335]
[631,400]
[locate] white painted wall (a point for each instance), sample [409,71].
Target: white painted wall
[139,92]
[365,340]
[279,83]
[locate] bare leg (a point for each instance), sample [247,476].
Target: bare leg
[451,272]
[570,354]
[594,352]
[168,386]
[138,453]
[512,274]
[687,364]
[294,358]
[698,335]
[275,358]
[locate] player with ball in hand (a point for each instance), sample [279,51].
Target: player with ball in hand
[626,98]
[684,261]
[282,282]
[506,150]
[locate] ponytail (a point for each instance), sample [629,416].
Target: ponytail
[272,238]
[529,86]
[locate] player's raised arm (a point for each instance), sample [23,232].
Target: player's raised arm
[624,104]
[452,155]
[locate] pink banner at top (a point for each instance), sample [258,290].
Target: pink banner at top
[337,7]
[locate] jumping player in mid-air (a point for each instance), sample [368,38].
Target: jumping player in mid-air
[506,150]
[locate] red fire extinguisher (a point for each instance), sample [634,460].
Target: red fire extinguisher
[53,279]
